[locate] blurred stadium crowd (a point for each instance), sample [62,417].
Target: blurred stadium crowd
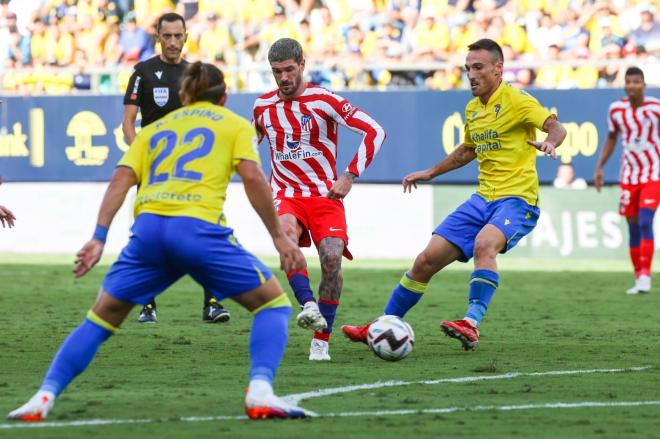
[64,46]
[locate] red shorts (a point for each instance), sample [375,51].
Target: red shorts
[636,196]
[319,216]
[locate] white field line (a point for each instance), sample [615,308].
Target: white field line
[325,392]
[479,408]
[483,408]
[296,398]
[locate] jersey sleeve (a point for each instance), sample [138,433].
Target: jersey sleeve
[529,111]
[612,125]
[344,113]
[246,144]
[467,138]
[136,155]
[256,124]
[134,89]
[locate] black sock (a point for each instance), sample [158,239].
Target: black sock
[208,297]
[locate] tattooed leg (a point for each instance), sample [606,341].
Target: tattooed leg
[330,252]
[332,280]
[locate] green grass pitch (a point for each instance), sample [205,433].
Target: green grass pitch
[539,321]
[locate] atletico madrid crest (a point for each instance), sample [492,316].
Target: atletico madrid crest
[306,122]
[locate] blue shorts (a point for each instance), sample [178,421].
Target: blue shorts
[512,215]
[162,249]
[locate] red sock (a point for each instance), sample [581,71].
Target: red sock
[325,336]
[290,274]
[634,257]
[646,248]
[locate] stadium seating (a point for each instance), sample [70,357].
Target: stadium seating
[69,46]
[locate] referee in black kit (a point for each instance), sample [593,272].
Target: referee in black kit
[154,89]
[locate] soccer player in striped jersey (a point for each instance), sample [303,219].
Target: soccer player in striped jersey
[301,122]
[637,119]
[500,132]
[182,165]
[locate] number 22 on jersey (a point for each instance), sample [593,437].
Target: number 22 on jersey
[183,167]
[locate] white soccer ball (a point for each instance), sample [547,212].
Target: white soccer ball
[391,338]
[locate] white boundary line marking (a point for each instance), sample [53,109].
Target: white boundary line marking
[295,398]
[335,390]
[479,408]
[483,408]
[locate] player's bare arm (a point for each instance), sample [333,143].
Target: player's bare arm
[128,124]
[257,128]
[556,135]
[259,194]
[342,186]
[459,157]
[608,149]
[330,253]
[122,180]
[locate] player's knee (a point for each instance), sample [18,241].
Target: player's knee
[425,266]
[330,253]
[331,262]
[485,248]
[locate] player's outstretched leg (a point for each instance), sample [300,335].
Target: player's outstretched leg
[483,284]
[74,356]
[268,340]
[403,298]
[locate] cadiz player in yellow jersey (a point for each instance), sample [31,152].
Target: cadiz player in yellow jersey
[501,122]
[182,165]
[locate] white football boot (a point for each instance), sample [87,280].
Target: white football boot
[311,317]
[36,409]
[642,285]
[262,403]
[319,350]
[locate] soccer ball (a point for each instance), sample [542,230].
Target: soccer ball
[390,338]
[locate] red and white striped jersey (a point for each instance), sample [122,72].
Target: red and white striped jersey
[640,131]
[302,134]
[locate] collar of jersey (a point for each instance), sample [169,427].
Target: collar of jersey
[495,96]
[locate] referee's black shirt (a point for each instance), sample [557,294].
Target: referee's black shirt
[154,87]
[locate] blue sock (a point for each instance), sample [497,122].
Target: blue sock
[268,340]
[75,354]
[328,310]
[634,234]
[299,281]
[483,284]
[405,296]
[645,223]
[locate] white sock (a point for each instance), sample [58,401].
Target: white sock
[471,321]
[259,387]
[47,393]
